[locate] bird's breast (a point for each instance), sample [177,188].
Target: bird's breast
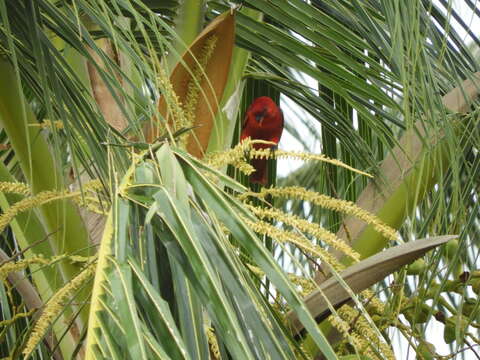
[265,131]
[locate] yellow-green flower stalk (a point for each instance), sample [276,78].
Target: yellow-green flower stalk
[55,306]
[235,157]
[283,236]
[174,105]
[278,154]
[374,301]
[10,266]
[212,340]
[49,124]
[238,155]
[91,203]
[306,227]
[45,197]
[14,188]
[359,333]
[327,202]
[182,115]
[198,72]
[16,317]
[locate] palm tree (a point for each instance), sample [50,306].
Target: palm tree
[130,230]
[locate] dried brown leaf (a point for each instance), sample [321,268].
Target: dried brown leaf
[212,82]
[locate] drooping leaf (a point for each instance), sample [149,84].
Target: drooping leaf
[362,275]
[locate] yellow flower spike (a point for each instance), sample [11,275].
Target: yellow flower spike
[317,157]
[223,158]
[306,227]
[10,266]
[243,167]
[182,116]
[282,236]
[327,202]
[14,187]
[81,259]
[93,185]
[245,147]
[28,203]
[55,306]
[358,331]
[90,203]
[175,109]
[374,301]
[198,72]
[307,285]
[212,340]
[38,200]
[256,270]
[235,157]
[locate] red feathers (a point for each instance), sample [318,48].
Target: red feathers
[263,121]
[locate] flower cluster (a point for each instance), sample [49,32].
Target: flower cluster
[326,202]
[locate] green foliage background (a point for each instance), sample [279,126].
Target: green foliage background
[166,268]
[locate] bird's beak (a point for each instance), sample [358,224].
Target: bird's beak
[259,118]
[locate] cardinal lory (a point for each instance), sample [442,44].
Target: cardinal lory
[264,121]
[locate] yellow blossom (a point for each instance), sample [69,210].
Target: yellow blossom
[212,340]
[14,187]
[277,154]
[10,266]
[306,227]
[327,202]
[283,236]
[55,306]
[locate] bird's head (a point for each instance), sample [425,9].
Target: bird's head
[262,109]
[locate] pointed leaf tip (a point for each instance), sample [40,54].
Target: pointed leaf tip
[363,275]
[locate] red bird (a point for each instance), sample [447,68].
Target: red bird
[264,121]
